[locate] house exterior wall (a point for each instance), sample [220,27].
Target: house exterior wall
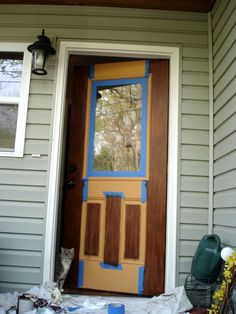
[24,181]
[224,69]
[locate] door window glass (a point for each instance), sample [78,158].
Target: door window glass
[118,127]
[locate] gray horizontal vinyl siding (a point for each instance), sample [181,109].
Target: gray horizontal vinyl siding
[194,179]
[224,66]
[186,30]
[23,195]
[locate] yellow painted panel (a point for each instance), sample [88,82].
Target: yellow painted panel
[125,280]
[82,230]
[131,189]
[119,70]
[142,248]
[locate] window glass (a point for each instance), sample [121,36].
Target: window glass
[117,138]
[10,75]
[15,62]
[8,120]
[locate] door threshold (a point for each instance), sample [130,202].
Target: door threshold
[91,292]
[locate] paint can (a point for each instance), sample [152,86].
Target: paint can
[11,310]
[25,304]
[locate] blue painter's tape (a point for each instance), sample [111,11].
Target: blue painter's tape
[147,68]
[91,71]
[72,309]
[116,308]
[133,174]
[141,280]
[144,128]
[144,191]
[81,274]
[109,266]
[85,189]
[114,194]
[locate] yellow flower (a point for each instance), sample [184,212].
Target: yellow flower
[219,295]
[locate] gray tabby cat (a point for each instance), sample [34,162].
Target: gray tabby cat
[63,264]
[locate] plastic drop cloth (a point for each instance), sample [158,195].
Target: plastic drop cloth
[175,302]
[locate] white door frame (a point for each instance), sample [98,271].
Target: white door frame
[67,48]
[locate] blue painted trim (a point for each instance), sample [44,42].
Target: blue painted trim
[141,280]
[144,191]
[147,68]
[144,128]
[91,71]
[142,170]
[114,194]
[80,274]
[85,189]
[116,173]
[111,267]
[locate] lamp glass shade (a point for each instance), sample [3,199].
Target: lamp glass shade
[39,61]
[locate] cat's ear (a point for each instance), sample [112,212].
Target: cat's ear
[73,251]
[62,249]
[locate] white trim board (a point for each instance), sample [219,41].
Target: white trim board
[67,48]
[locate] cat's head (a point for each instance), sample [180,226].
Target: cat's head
[67,253]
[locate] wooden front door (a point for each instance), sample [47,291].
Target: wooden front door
[115,191]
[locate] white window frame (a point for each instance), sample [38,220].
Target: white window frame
[22,100]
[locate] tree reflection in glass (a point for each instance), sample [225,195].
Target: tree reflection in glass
[8,120]
[10,79]
[117,139]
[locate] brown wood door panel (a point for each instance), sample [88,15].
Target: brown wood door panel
[92,232]
[132,231]
[157,185]
[72,201]
[112,230]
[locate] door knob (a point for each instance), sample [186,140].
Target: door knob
[70,184]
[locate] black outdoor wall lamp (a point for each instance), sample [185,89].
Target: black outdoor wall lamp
[40,50]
